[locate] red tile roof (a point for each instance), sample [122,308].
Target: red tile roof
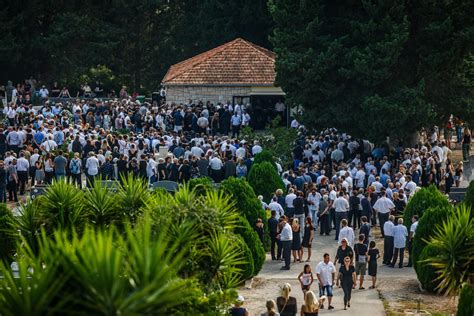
[235,63]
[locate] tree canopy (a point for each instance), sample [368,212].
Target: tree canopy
[137,40]
[375,68]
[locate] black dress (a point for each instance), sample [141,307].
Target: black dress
[296,244]
[307,234]
[373,261]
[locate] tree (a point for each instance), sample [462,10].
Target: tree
[381,63]
[265,180]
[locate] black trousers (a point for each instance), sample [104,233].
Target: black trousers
[347,289]
[339,217]
[286,245]
[383,217]
[398,252]
[279,250]
[12,188]
[332,217]
[325,227]
[409,247]
[354,218]
[273,244]
[22,179]
[387,249]
[77,179]
[235,130]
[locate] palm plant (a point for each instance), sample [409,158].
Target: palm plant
[132,196]
[62,206]
[29,224]
[100,205]
[454,240]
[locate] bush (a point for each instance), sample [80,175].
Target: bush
[265,155]
[7,234]
[469,198]
[466,301]
[250,238]
[431,217]
[244,197]
[454,241]
[423,200]
[200,185]
[424,272]
[265,180]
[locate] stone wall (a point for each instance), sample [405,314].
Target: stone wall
[181,94]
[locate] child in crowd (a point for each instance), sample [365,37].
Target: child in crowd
[373,256]
[306,278]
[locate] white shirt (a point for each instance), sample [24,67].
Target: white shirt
[413,228]
[286,233]
[33,159]
[325,272]
[315,199]
[256,149]
[289,200]
[399,236]
[92,166]
[341,205]
[388,228]
[275,206]
[22,164]
[215,163]
[348,233]
[383,205]
[240,153]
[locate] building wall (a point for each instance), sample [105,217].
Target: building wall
[181,94]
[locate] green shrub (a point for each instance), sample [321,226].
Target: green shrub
[244,198]
[424,272]
[431,217]
[423,200]
[466,301]
[265,155]
[7,234]
[454,241]
[250,237]
[469,198]
[200,185]
[265,180]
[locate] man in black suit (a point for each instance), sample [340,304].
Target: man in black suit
[273,232]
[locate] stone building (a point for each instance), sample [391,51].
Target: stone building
[238,72]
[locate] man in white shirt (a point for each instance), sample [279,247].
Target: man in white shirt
[44,93]
[341,207]
[313,205]
[346,232]
[286,238]
[256,148]
[326,274]
[49,144]
[388,240]
[383,206]
[290,197]
[410,186]
[92,169]
[216,165]
[22,168]
[275,206]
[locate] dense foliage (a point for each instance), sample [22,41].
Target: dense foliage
[431,217]
[469,197]
[424,272]
[466,301]
[453,240]
[114,249]
[375,68]
[422,200]
[133,42]
[265,180]
[7,237]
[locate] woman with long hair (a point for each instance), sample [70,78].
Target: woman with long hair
[311,304]
[296,243]
[271,309]
[286,304]
[307,237]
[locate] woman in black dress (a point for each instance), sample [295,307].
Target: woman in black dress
[347,277]
[308,236]
[373,256]
[286,304]
[296,244]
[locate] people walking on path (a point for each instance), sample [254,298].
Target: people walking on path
[373,254]
[326,274]
[400,234]
[347,279]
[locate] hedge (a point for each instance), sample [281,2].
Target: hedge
[200,185]
[265,155]
[265,180]
[424,272]
[466,301]
[251,239]
[469,197]
[431,218]
[423,200]
[7,234]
